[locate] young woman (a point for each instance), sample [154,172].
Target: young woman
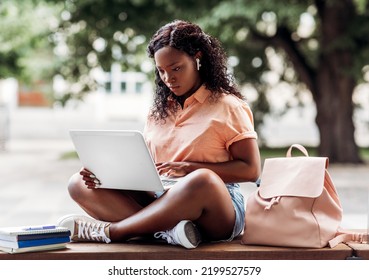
[199,128]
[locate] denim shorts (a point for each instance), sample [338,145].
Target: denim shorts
[239,207]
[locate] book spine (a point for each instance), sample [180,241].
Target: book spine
[43,236]
[8,237]
[33,249]
[35,242]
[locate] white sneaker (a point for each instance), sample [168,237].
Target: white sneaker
[83,228]
[185,233]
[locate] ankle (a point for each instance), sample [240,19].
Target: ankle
[112,232]
[107,231]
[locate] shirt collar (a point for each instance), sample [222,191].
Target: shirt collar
[200,95]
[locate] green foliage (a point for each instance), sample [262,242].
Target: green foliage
[246,28]
[24,48]
[94,33]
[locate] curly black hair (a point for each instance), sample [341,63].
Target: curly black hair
[189,37]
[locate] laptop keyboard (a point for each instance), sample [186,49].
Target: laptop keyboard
[168,182]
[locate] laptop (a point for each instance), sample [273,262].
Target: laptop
[120,159]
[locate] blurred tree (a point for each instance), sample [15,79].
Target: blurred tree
[94,33]
[322,43]
[25,51]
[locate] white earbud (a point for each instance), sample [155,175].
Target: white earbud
[198,65]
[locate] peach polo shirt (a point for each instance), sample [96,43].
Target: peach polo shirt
[202,131]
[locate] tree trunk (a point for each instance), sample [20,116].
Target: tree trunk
[330,82]
[334,86]
[334,115]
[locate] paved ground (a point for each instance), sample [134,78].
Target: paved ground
[33,175]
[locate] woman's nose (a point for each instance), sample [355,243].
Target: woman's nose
[168,78]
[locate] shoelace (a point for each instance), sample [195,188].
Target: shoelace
[168,235]
[92,231]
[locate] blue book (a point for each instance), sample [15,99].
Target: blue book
[34,242]
[32,232]
[35,236]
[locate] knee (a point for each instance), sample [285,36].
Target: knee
[75,186]
[204,179]
[206,176]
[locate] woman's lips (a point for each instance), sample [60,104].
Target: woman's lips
[173,87]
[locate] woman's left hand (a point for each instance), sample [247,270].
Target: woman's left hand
[89,178]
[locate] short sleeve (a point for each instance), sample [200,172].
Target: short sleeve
[240,124]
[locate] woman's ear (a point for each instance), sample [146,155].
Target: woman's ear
[198,55]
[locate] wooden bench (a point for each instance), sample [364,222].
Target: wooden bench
[140,250]
[360,251]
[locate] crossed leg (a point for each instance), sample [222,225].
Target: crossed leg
[201,197]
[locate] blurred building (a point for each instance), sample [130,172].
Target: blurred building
[122,95]
[119,96]
[8,101]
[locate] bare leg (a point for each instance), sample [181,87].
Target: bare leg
[201,197]
[107,205]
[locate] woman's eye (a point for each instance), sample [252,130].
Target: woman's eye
[177,68]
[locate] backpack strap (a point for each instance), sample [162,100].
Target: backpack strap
[299,147]
[344,236]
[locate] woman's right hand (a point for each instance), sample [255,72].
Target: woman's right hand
[90,179]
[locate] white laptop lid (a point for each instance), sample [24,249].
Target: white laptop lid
[120,159]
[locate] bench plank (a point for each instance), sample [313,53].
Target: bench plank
[360,250]
[159,251]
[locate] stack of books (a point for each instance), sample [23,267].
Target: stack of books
[33,238]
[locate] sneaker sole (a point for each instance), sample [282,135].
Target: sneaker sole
[191,238]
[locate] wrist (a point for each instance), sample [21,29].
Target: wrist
[188,167]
